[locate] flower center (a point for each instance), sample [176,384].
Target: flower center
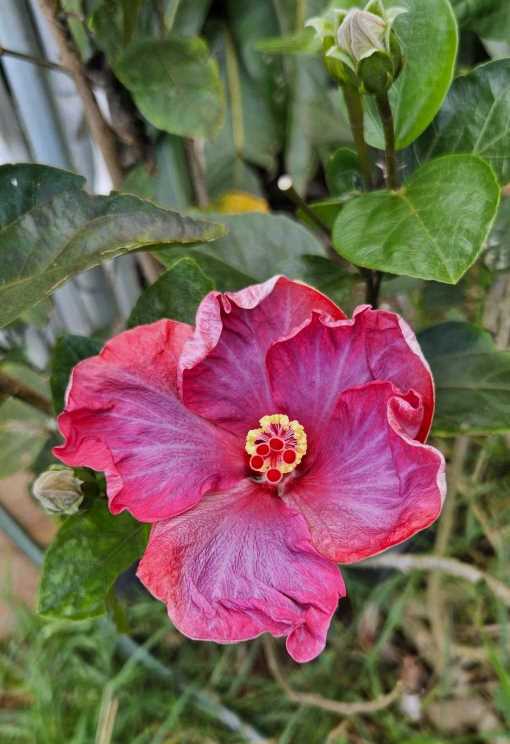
[277,447]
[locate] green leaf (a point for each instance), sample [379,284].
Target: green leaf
[225,278]
[175,84]
[68,351]
[89,552]
[168,182]
[342,172]
[429,39]
[23,429]
[475,118]
[48,243]
[489,18]
[24,186]
[329,278]
[188,17]
[176,294]
[432,228]
[472,380]
[261,245]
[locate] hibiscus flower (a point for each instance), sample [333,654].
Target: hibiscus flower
[272,441]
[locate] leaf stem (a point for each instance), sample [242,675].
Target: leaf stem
[386,114]
[354,105]
[15,389]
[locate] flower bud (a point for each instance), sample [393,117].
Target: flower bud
[361,34]
[58,491]
[367,38]
[360,47]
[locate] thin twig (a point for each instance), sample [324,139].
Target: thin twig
[317,701]
[34,60]
[101,132]
[407,562]
[17,389]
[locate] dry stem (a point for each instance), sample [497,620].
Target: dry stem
[317,701]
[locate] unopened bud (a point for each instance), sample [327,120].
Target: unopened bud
[58,491]
[361,34]
[360,47]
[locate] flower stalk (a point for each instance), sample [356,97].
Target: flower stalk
[354,104]
[386,115]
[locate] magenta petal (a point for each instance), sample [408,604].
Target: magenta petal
[224,376]
[308,371]
[123,416]
[239,564]
[370,485]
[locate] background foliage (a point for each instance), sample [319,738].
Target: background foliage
[210,103]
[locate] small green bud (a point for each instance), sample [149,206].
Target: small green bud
[58,491]
[377,72]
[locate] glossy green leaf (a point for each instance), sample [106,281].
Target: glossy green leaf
[472,380]
[225,278]
[342,172]
[432,228]
[68,351]
[23,429]
[262,245]
[45,244]
[176,294]
[175,84]
[429,38]
[475,118]
[90,551]
[24,186]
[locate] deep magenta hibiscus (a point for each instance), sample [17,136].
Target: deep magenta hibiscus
[270,442]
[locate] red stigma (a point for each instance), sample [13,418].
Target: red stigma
[273,476]
[263,449]
[289,456]
[276,444]
[256,462]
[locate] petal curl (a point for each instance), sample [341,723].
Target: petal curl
[123,416]
[239,564]
[309,370]
[224,376]
[370,485]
